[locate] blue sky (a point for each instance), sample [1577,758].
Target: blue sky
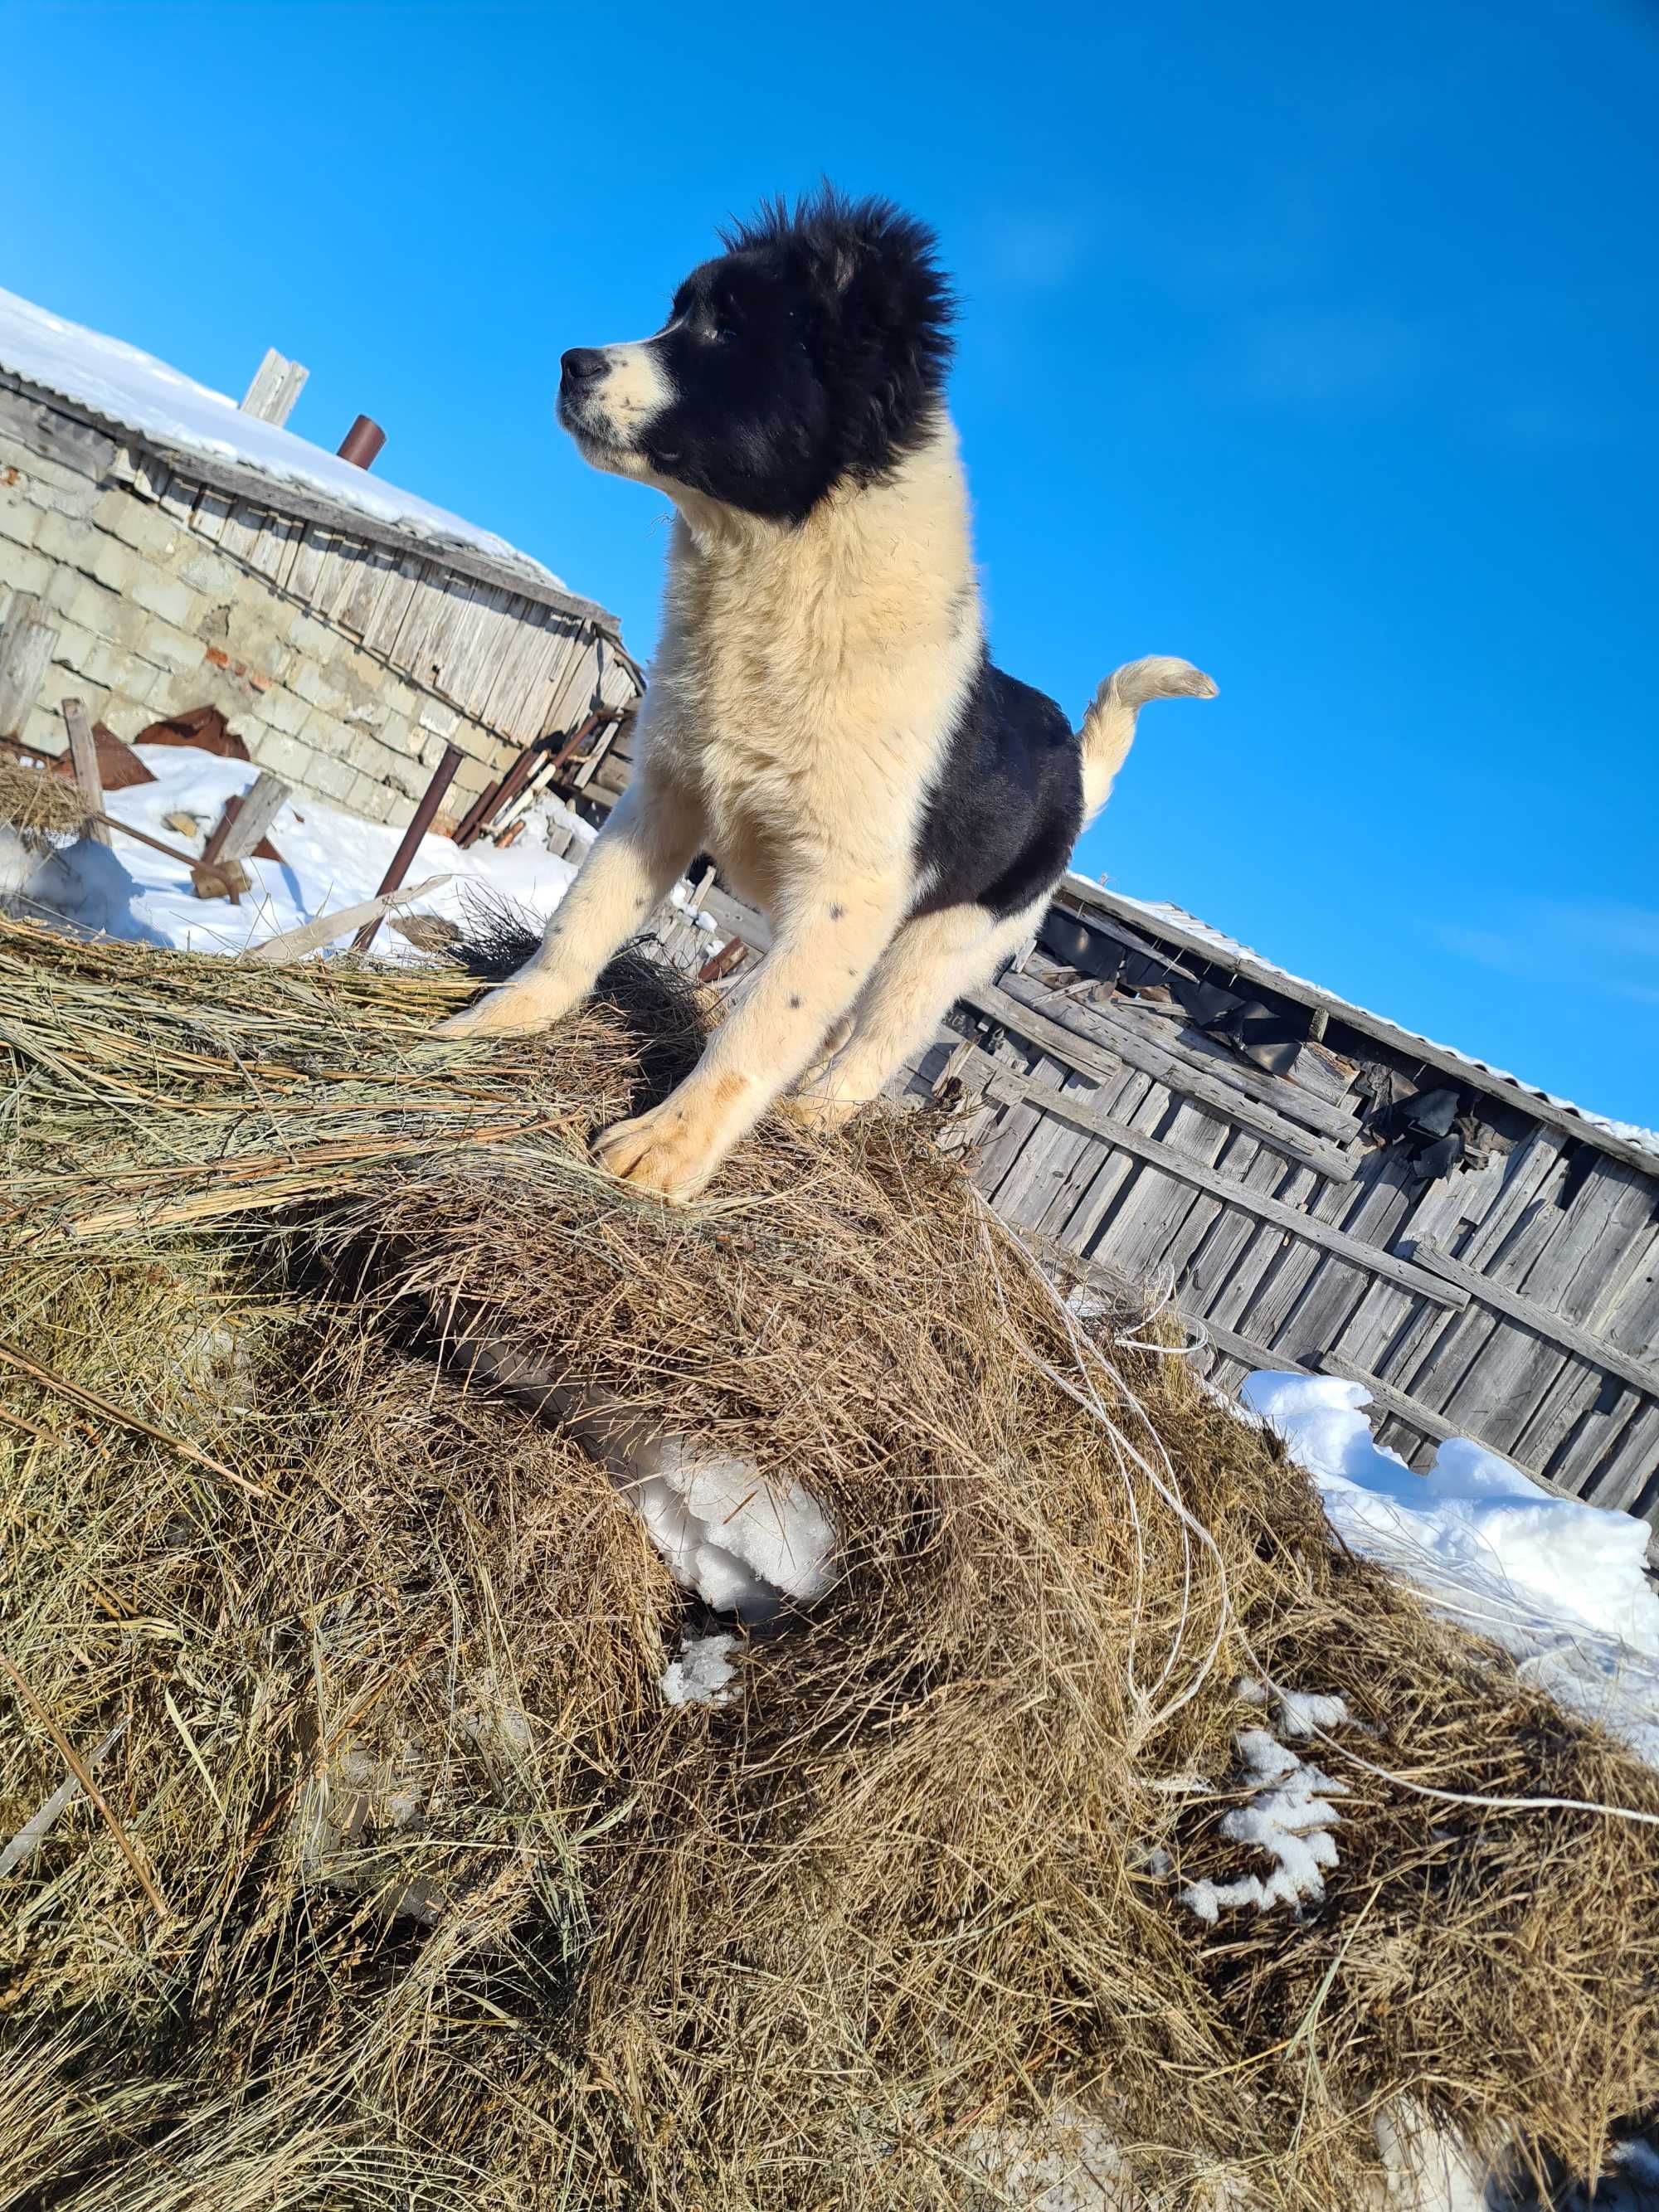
[1317,344]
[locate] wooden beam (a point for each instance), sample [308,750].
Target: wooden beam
[1100,905]
[83,752]
[246,820]
[1553,1328]
[312,936]
[26,646]
[277,383]
[1003,1085]
[1154,1054]
[1179,1076]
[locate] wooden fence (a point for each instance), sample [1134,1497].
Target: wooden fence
[1514,1299]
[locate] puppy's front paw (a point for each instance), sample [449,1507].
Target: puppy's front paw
[516,1010]
[811,1110]
[660,1152]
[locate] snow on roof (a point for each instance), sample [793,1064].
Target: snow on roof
[209,435]
[1176,920]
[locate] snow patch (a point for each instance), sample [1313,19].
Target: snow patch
[744,1546]
[1288,1818]
[701,1672]
[1562,1586]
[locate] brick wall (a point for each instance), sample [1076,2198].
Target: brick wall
[153,619]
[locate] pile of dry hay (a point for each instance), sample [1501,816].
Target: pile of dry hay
[396,1881]
[34,801]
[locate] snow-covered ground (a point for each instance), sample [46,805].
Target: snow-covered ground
[1562,1587]
[330,859]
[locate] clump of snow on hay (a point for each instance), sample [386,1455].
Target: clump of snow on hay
[405,1882]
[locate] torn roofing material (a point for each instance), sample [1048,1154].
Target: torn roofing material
[1637,1146]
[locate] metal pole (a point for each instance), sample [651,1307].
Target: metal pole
[442,776]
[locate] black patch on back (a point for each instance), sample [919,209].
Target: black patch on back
[1001,821]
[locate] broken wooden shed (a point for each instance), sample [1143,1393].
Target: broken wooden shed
[164,549]
[1321,1189]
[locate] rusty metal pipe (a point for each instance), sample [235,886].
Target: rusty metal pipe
[442,776]
[362,443]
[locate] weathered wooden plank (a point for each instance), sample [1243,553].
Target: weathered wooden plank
[1075,1155]
[1151,1220]
[1444,1209]
[1234,1158]
[178,499]
[271,553]
[1085,1197]
[26,641]
[367,572]
[150,475]
[571,685]
[90,782]
[431,635]
[1156,933]
[1318,1088]
[310,555]
[1281,1285]
[491,634]
[254,817]
[1629,1316]
[1266,1247]
[1575,1423]
[243,527]
[1369,1258]
[1258,1167]
[1311,1298]
[1099,1058]
[1626,1479]
[504,690]
[1208,1074]
[382,631]
[998,1155]
[1552,1329]
[212,513]
[277,383]
[1428,1357]
[1509,1377]
[1582,1415]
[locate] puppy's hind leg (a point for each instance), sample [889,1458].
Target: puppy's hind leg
[647,843]
[927,967]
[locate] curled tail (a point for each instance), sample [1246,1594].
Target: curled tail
[1109,728]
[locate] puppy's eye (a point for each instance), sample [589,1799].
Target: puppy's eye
[724,334]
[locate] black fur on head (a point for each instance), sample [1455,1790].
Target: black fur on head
[813,351]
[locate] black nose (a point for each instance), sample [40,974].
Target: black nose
[583,364]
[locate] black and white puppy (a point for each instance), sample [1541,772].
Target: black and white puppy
[822,717]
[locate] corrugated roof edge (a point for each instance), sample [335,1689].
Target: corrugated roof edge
[1636,1148]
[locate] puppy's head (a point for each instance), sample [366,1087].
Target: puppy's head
[812,351]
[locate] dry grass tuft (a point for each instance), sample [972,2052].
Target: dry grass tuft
[31,799]
[404,1887]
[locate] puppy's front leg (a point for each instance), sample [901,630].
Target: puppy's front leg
[648,841]
[818,964]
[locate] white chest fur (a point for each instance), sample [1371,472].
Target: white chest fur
[808,677]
